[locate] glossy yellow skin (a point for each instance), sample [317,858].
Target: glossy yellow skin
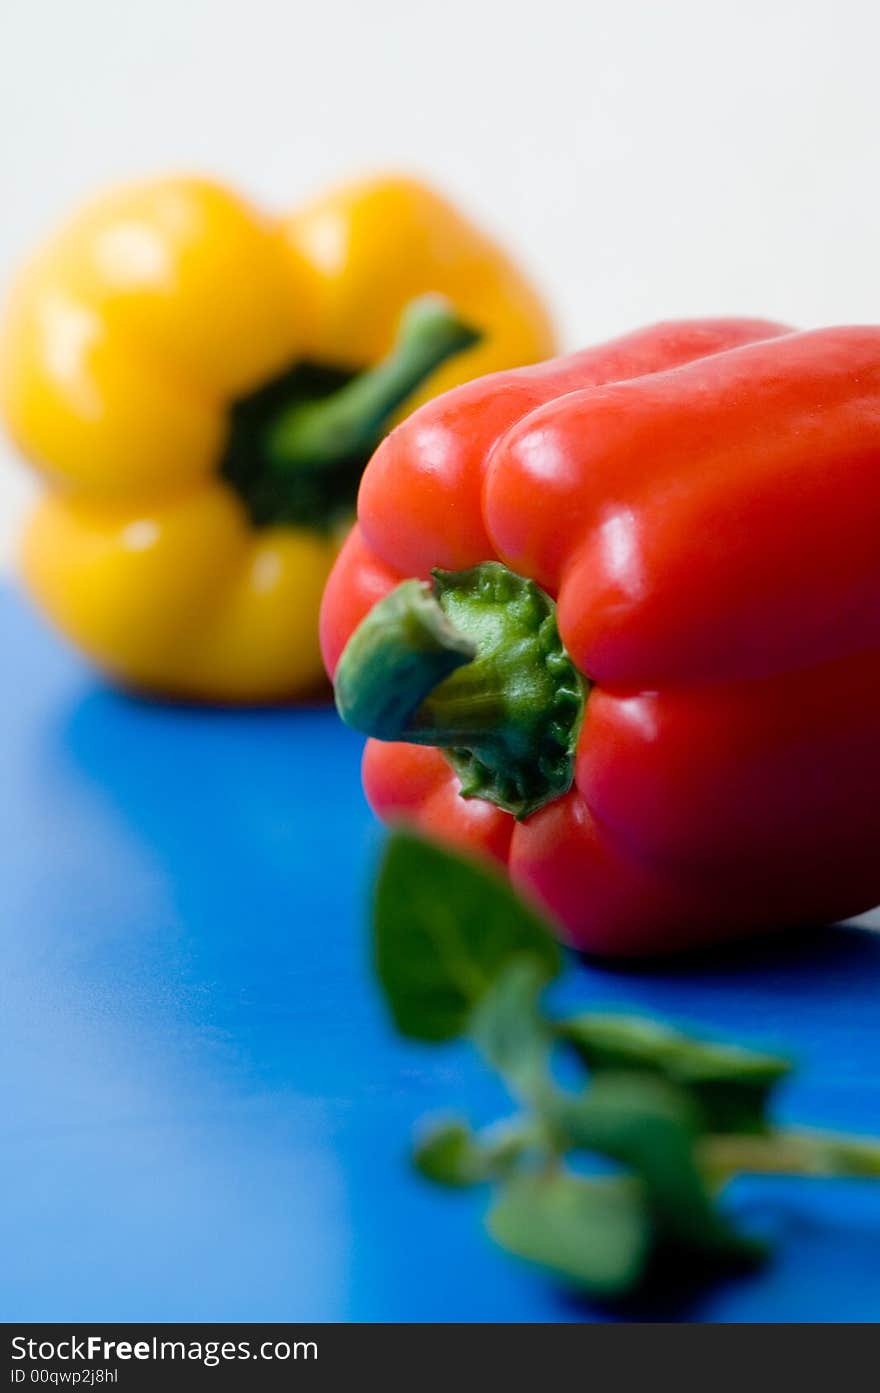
[124,343]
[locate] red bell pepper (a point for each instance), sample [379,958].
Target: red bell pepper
[618,616]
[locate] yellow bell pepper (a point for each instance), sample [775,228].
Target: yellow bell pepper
[201,387]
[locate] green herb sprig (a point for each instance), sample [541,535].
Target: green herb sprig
[667,1119]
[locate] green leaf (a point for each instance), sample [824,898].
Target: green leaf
[449,1153]
[649,1126]
[730,1085]
[510,1032]
[444,928]
[595,1234]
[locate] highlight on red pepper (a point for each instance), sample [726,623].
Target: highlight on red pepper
[614,621]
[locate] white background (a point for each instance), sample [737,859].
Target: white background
[644,159]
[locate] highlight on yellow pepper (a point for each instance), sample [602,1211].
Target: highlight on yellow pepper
[201,386]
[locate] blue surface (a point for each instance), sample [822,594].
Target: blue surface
[205,1114]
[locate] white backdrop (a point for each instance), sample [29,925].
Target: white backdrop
[645,159]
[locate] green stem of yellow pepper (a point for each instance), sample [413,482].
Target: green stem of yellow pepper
[350,423]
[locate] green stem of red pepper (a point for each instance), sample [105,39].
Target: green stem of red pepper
[472,664]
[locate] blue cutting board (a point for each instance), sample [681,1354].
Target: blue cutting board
[205,1113]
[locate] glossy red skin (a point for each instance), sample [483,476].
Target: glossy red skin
[703,499]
